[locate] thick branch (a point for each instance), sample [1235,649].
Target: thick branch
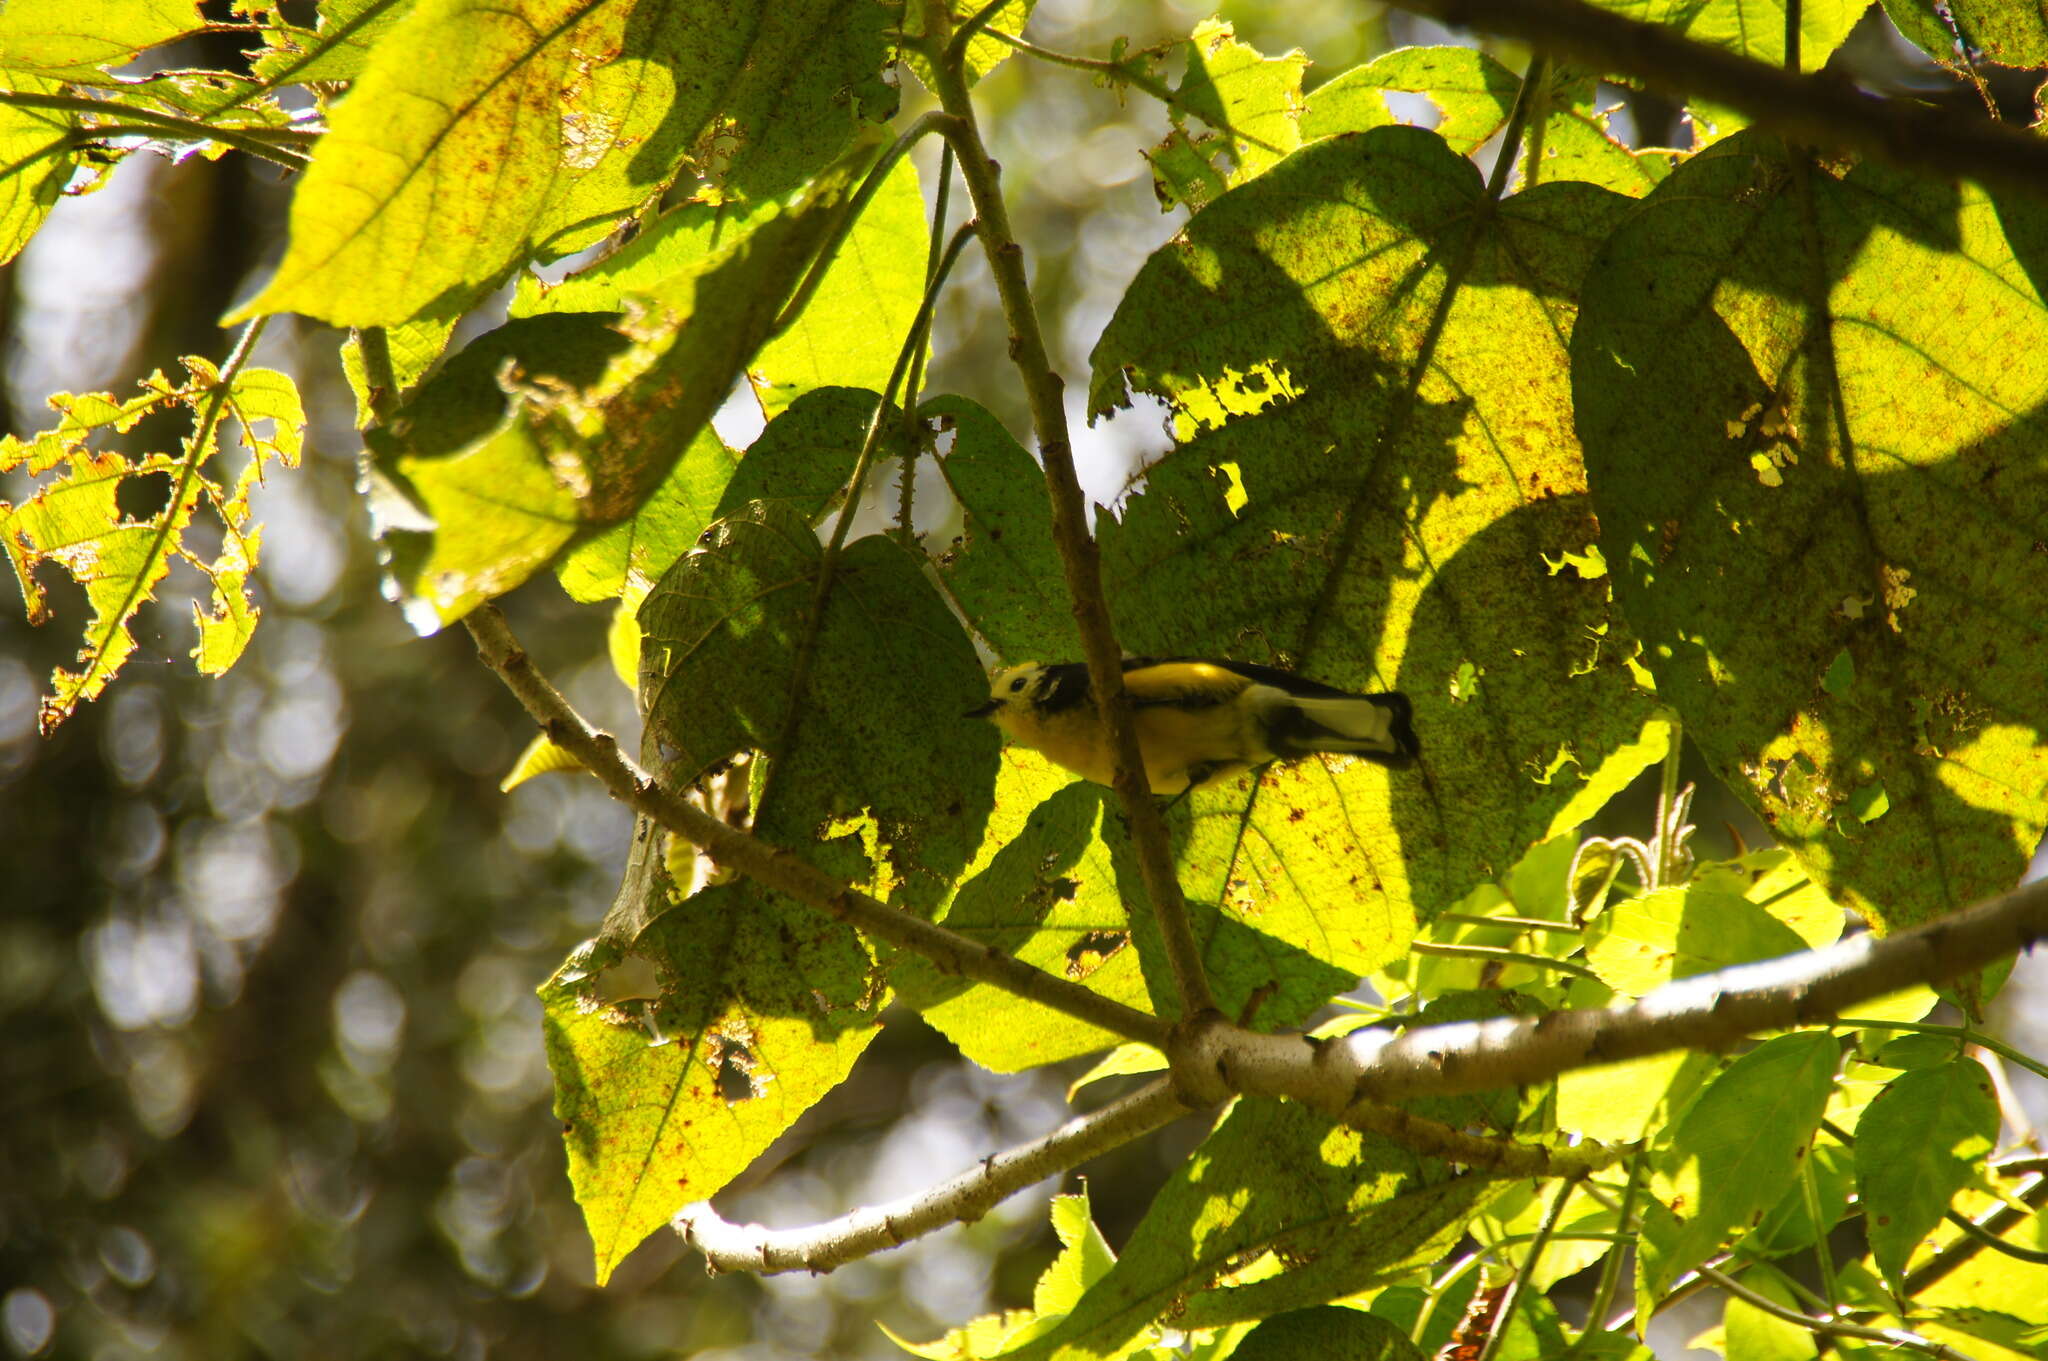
[1043,390]
[1820,109]
[1706,1012]
[962,1199]
[776,868]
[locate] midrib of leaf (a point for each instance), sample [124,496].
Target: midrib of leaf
[454,119]
[201,448]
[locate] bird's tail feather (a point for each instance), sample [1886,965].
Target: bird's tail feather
[1377,727]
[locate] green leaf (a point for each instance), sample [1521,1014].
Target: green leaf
[443,156]
[84,40]
[1122,1061]
[1326,1334]
[337,49]
[471,502]
[1918,1144]
[1754,1335]
[1788,1227]
[2011,35]
[1054,896]
[1252,100]
[750,98]
[882,782]
[804,458]
[1622,1102]
[1084,1256]
[1739,1147]
[501,482]
[1472,91]
[478,135]
[855,323]
[764,1006]
[984,53]
[627,559]
[1751,28]
[1003,571]
[1781,443]
[1642,943]
[1282,325]
[36,161]
[74,520]
[680,244]
[1346,1210]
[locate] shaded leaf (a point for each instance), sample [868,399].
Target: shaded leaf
[1003,571]
[2012,35]
[1326,1334]
[1781,444]
[1473,94]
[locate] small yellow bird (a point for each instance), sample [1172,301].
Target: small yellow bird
[1198,719]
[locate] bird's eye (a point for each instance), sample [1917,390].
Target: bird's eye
[1016,685]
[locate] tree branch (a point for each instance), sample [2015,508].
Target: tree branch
[776,868]
[1820,108]
[963,1199]
[1043,390]
[1705,1012]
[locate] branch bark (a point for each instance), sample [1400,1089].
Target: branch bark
[1044,390]
[963,1199]
[776,868]
[1710,1011]
[1821,108]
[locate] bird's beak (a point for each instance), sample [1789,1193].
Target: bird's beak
[984,711]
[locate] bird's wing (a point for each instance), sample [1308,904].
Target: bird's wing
[1184,684]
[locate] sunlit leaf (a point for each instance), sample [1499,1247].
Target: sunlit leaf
[1404,542]
[763,1009]
[857,320]
[984,51]
[75,521]
[1751,28]
[1737,1149]
[87,39]
[36,161]
[337,49]
[1344,1209]
[1253,103]
[1781,444]
[1918,1144]
[2011,35]
[1642,943]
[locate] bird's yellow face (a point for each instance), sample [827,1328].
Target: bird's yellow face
[1009,694]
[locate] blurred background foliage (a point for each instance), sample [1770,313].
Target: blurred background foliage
[271,1066]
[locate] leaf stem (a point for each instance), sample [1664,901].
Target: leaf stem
[255,141]
[1827,1327]
[1044,391]
[1518,923]
[1504,956]
[1963,1033]
[1511,1298]
[906,492]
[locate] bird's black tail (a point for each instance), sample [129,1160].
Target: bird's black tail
[1376,727]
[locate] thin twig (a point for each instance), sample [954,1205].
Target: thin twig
[1511,1298]
[778,869]
[1043,390]
[1827,1327]
[1129,74]
[962,1199]
[1517,923]
[1500,954]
